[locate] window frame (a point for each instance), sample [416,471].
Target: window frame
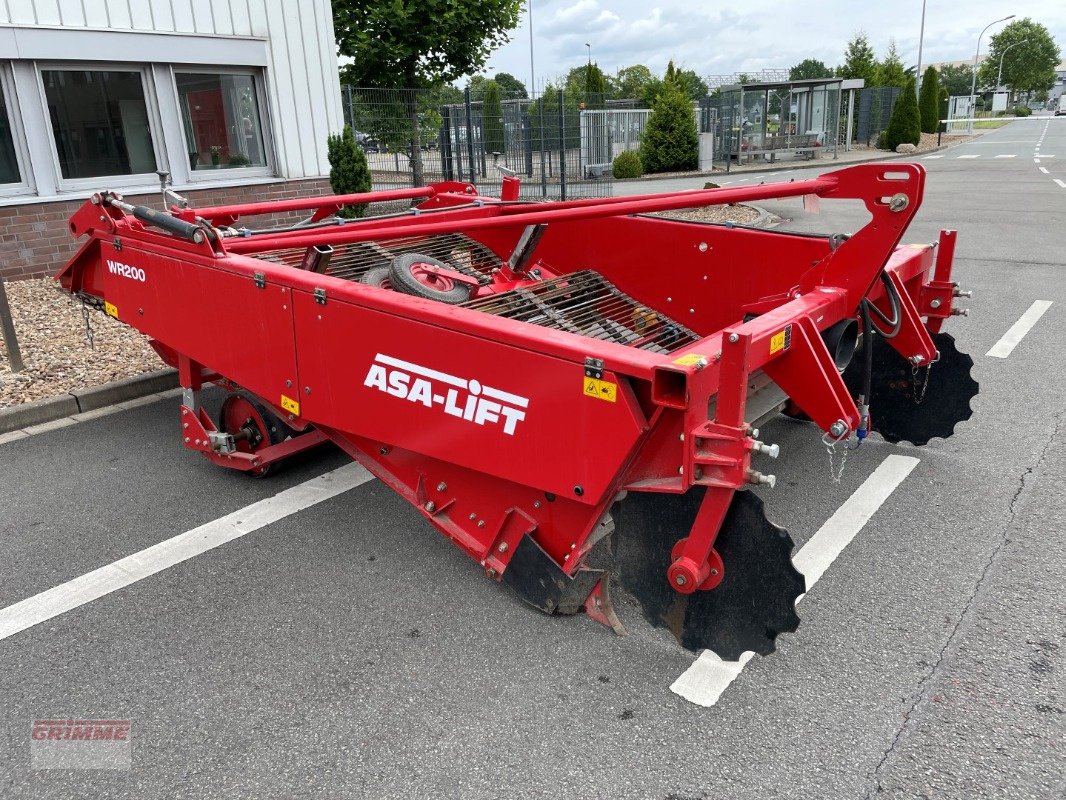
[155,127]
[25,185]
[269,170]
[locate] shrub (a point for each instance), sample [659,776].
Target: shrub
[492,119]
[905,124]
[670,142]
[1022,111]
[627,165]
[348,170]
[929,102]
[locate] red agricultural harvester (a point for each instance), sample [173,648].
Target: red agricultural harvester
[566,390]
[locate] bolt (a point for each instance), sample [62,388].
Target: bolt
[681,470]
[185,425]
[916,360]
[503,547]
[733,338]
[754,433]
[441,486]
[934,304]
[692,311]
[473,515]
[481,523]
[431,506]
[536,504]
[491,572]
[307,390]
[714,571]
[292,416]
[959,293]
[681,437]
[771,450]
[288,384]
[186,440]
[669,299]
[384,451]
[197,442]
[680,580]
[839,428]
[961,312]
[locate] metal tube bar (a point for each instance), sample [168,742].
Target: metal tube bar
[7,327]
[524,215]
[307,203]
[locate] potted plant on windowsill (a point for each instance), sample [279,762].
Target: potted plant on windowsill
[216,155]
[239,160]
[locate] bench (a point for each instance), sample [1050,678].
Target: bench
[804,145]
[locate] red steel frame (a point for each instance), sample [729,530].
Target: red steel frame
[331,354]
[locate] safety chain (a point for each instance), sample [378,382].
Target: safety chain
[835,473]
[831,443]
[918,389]
[88,326]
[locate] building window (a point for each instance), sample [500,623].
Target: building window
[100,122]
[9,165]
[223,127]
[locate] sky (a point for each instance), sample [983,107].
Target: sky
[750,35]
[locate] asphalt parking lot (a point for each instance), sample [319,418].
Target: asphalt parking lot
[332,643]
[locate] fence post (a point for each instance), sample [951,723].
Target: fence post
[562,146]
[445,144]
[527,130]
[470,137]
[7,326]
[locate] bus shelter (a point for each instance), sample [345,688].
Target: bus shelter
[801,118]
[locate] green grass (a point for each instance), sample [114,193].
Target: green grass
[993,123]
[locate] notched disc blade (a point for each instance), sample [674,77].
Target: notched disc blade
[756,599]
[893,410]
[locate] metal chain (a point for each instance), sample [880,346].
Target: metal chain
[88,326]
[834,473]
[918,389]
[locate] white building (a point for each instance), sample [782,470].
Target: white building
[234,98]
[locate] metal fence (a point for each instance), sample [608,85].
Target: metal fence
[874,110]
[474,139]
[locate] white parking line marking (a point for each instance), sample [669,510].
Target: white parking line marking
[709,676]
[1044,170]
[119,574]
[970,156]
[1011,338]
[930,158]
[1012,155]
[1060,183]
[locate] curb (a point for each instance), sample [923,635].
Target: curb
[91,399]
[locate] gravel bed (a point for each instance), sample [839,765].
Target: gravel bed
[50,329]
[739,214]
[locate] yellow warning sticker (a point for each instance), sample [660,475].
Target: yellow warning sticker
[690,359]
[602,390]
[111,310]
[781,340]
[290,405]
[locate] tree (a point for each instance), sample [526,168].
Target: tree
[492,119]
[410,44]
[478,84]
[955,79]
[544,113]
[860,61]
[670,142]
[905,124]
[1027,67]
[929,101]
[808,69]
[693,84]
[630,81]
[510,87]
[348,170]
[890,71]
[595,87]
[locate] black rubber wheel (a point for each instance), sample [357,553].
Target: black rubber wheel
[242,411]
[377,276]
[408,275]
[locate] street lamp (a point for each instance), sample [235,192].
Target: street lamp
[973,83]
[999,75]
[589,46]
[918,70]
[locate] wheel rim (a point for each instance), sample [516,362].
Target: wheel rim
[431,280]
[237,413]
